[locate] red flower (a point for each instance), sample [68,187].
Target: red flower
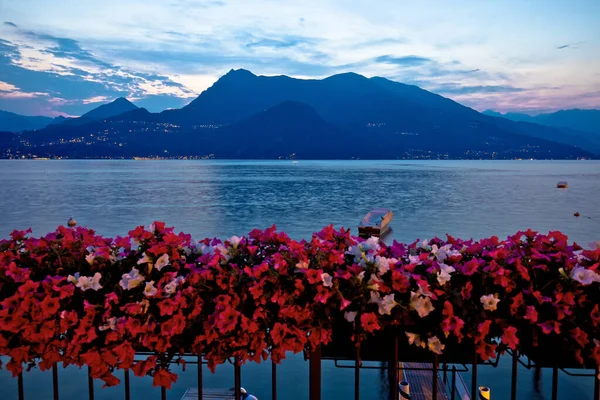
[550,326]
[465,292]
[164,378]
[580,336]
[531,314]
[509,337]
[595,315]
[142,367]
[470,267]
[369,322]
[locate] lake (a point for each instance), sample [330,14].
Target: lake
[222,198]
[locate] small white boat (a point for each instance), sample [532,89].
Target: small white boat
[375,223]
[562,185]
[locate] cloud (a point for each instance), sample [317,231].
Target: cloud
[570,46]
[456,88]
[409,61]
[8,23]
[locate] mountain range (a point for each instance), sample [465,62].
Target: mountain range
[344,116]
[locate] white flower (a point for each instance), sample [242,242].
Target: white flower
[135,244]
[489,302]
[90,259]
[383,264]
[150,290]
[374,282]
[171,287]
[145,259]
[375,298]
[151,228]
[415,339]
[86,282]
[327,279]
[424,244]
[301,266]
[434,345]
[386,304]
[366,259]
[421,304]
[235,241]
[414,260]
[162,262]
[584,276]
[361,276]
[444,275]
[350,316]
[112,325]
[371,243]
[131,280]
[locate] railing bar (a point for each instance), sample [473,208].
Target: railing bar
[453,389]
[237,379]
[20,385]
[315,374]
[90,384]
[513,379]
[163,393]
[357,373]
[127,393]
[273,380]
[55,380]
[445,368]
[474,391]
[434,389]
[555,383]
[200,390]
[393,368]
[597,384]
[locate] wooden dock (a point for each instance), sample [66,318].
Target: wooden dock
[209,394]
[421,382]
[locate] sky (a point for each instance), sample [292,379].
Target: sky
[65,57]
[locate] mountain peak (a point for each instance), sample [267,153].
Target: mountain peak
[116,107]
[239,73]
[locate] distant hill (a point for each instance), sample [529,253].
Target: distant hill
[114,108]
[11,122]
[344,116]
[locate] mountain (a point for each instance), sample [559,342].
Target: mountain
[114,108]
[11,122]
[577,127]
[344,116]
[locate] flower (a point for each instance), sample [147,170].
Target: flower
[415,339]
[490,302]
[421,304]
[85,282]
[386,304]
[509,337]
[443,276]
[235,241]
[131,280]
[383,264]
[150,290]
[350,316]
[90,259]
[170,287]
[327,279]
[374,282]
[369,322]
[434,345]
[584,276]
[162,262]
[301,266]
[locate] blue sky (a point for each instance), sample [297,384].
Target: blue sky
[68,56]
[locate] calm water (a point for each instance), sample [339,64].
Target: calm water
[220,198]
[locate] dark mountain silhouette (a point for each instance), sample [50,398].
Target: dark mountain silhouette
[11,122]
[344,116]
[116,107]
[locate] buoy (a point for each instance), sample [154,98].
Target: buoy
[577,214]
[404,390]
[72,223]
[562,185]
[484,393]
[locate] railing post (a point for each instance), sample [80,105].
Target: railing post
[357,373]
[393,367]
[237,378]
[597,384]
[163,393]
[273,380]
[555,383]
[315,374]
[445,369]
[434,388]
[55,380]
[90,384]
[127,392]
[20,386]
[513,379]
[474,391]
[200,394]
[453,388]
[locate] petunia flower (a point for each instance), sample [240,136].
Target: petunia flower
[434,345]
[584,276]
[490,302]
[414,339]
[235,241]
[383,264]
[162,262]
[421,304]
[90,258]
[386,304]
[131,280]
[150,290]
[443,276]
[327,279]
[145,259]
[350,316]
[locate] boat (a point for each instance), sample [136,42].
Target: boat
[562,185]
[375,223]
